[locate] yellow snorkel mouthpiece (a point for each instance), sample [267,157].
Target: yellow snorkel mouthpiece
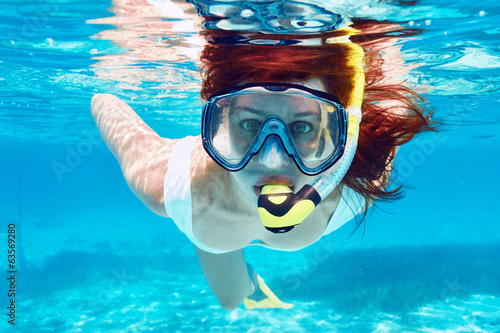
[280,210]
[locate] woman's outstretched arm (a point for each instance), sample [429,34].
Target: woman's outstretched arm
[142,154]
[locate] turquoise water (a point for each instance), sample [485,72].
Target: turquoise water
[90,257]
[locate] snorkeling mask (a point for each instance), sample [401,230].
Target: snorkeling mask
[311,125]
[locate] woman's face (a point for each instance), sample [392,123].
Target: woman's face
[272,165]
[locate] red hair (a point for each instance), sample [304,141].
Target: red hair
[384,126]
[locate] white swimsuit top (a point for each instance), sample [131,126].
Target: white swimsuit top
[178,201]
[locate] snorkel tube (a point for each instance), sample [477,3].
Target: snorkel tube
[280,210]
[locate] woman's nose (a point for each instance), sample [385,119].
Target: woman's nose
[272,154]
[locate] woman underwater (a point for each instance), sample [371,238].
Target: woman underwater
[272,167]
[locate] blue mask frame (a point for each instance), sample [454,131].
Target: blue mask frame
[274,126]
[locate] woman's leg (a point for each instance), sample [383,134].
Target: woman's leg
[227,276]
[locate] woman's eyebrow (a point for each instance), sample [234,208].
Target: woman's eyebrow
[307,114]
[263,113]
[251,109]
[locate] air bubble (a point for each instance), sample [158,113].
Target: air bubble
[411,23]
[246,13]
[428,22]
[482,13]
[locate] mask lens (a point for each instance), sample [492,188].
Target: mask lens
[232,133]
[316,143]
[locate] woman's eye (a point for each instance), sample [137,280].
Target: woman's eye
[250,125]
[300,127]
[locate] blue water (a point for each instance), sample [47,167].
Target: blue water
[92,258]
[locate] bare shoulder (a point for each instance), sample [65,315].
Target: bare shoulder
[212,187]
[205,174]
[146,175]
